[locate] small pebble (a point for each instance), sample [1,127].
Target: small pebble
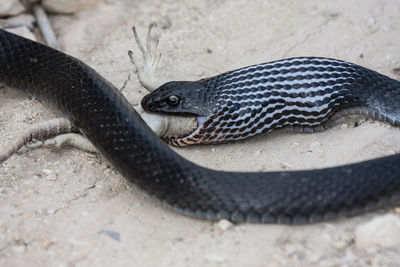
[382,231]
[340,244]
[51,211]
[224,224]
[47,171]
[214,258]
[112,234]
[285,165]
[23,20]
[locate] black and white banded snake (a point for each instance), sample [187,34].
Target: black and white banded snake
[106,118]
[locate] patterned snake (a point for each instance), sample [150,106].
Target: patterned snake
[302,91]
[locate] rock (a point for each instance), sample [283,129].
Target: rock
[112,234]
[286,166]
[67,6]
[47,171]
[24,32]
[11,8]
[224,224]
[214,258]
[25,20]
[383,231]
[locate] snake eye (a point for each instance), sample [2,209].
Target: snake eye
[173,100]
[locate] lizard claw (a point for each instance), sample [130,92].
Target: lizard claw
[151,57]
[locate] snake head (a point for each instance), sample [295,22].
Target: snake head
[180,97]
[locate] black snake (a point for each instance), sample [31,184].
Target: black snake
[103,115]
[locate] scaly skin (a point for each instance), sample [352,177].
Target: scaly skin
[118,132]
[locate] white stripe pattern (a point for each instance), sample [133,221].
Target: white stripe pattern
[257,99]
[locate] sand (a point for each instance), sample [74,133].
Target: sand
[65,207]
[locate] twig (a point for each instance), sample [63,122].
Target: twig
[44,25]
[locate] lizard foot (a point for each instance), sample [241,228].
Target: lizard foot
[151,58]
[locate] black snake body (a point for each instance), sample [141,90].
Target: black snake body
[108,120]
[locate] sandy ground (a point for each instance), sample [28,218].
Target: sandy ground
[70,208]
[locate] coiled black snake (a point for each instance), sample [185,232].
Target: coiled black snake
[112,125]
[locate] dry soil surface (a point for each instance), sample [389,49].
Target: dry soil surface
[65,207]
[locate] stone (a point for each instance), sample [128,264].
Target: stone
[47,171]
[214,258]
[11,8]
[25,20]
[224,224]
